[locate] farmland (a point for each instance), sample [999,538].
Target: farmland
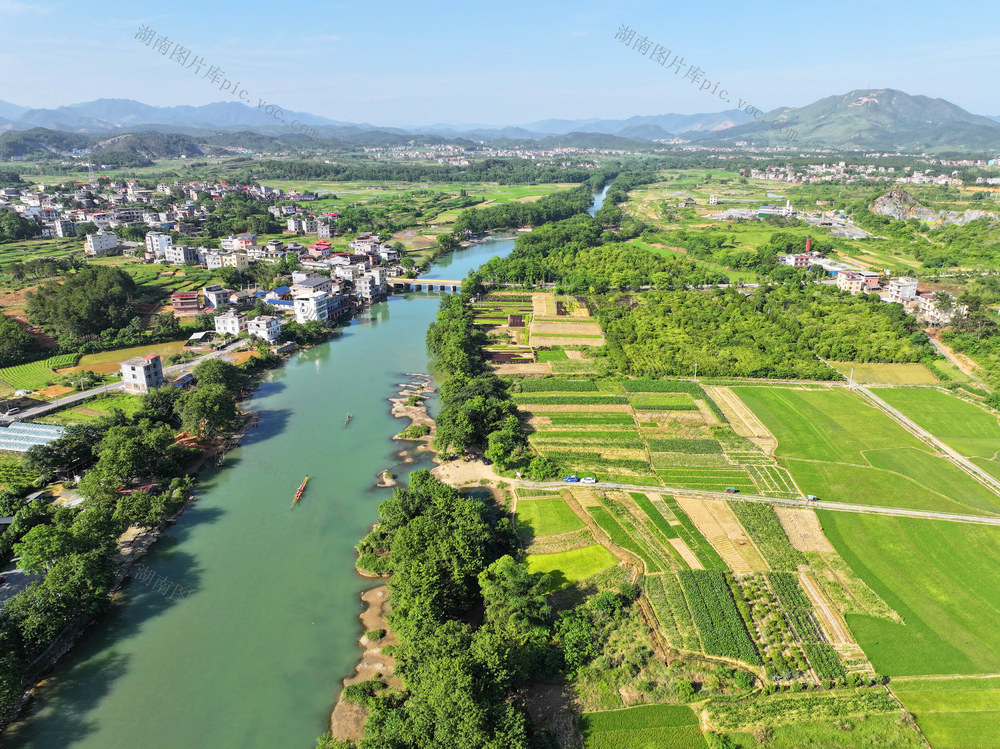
[107,362]
[644,727]
[37,374]
[651,432]
[839,448]
[12,473]
[886,374]
[953,712]
[968,428]
[568,567]
[942,578]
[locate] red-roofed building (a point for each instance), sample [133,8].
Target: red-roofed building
[185,302]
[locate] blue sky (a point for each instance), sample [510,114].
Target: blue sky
[515,62]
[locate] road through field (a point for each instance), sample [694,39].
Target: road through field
[815,505]
[953,455]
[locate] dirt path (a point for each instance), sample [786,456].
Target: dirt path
[964,363]
[830,620]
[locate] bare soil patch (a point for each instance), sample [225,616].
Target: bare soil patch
[537,368]
[686,554]
[803,529]
[719,525]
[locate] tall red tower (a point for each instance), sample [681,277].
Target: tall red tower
[809,244]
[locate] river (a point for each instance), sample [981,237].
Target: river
[250,649]
[243,636]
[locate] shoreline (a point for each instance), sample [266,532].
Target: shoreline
[347,719]
[132,544]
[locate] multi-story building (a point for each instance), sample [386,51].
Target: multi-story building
[179,254]
[850,281]
[265,327]
[185,302]
[64,228]
[216,296]
[238,243]
[235,260]
[312,306]
[801,260]
[902,290]
[142,373]
[231,323]
[941,311]
[100,243]
[157,244]
[304,286]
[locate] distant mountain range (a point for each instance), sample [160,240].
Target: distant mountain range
[882,119]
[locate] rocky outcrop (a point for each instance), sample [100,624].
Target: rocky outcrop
[900,205]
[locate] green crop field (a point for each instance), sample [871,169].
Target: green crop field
[36,374]
[954,712]
[886,374]
[944,580]
[830,425]
[543,517]
[12,472]
[568,567]
[970,429]
[839,448]
[644,727]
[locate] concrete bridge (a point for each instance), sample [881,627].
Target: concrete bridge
[424,284]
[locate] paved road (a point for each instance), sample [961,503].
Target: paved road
[68,400]
[816,505]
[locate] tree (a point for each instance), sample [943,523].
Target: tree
[43,545]
[15,342]
[93,300]
[219,372]
[208,411]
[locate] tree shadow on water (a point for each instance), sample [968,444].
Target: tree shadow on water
[61,712]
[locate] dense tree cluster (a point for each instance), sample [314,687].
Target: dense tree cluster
[15,342]
[505,171]
[474,625]
[87,303]
[555,207]
[476,411]
[571,254]
[14,226]
[775,332]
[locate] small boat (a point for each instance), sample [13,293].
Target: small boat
[301,489]
[348,419]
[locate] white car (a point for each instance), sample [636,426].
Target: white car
[588,480]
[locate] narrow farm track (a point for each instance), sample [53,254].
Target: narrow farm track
[815,505]
[953,455]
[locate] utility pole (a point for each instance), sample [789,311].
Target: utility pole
[696,371]
[850,380]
